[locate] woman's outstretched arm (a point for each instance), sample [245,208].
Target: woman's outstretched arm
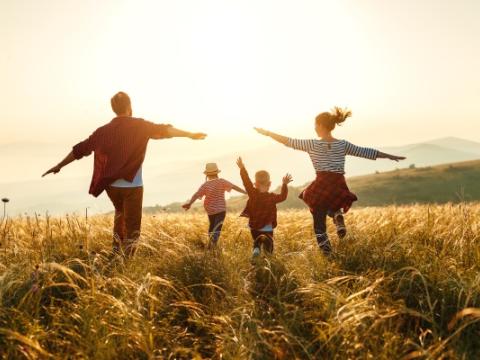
[382,155]
[369,153]
[277,137]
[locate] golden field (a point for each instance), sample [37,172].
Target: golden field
[404,284]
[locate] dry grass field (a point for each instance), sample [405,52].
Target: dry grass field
[404,284]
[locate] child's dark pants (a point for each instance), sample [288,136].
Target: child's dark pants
[215,228]
[264,238]
[320,227]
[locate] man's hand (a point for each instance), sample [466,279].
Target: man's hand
[186,206]
[240,163]
[197,136]
[287,179]
[262,131]
[54,170]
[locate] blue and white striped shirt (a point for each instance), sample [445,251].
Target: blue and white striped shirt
[330,156]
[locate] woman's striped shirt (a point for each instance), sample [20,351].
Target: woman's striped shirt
[214,192]
[330,156]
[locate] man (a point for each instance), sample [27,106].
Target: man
[119,148]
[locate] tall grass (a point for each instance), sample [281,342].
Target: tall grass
[405,283]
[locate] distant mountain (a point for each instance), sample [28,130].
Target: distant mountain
[437,184]
[458,144]
[431,154]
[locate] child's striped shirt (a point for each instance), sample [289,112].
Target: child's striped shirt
[330,156]
[214,192]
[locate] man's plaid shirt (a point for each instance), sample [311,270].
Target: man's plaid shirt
[119,148]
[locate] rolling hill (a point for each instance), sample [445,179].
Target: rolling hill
[454,182]
[167,181]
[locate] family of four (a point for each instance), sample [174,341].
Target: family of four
[119,150]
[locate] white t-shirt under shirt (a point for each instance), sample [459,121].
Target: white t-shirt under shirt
[137,181]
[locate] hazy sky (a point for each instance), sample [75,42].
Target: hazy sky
[408,69]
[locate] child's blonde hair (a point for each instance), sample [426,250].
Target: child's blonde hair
[262,177]
[335,117]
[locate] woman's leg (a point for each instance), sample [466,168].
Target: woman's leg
[320,227]
[339,222]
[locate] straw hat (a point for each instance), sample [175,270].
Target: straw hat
[211,169]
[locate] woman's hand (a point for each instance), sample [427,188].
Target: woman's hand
[287,179]
[277,137]
[382,155]
[396,158]
[262,131]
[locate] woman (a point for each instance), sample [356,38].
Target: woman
[329,193]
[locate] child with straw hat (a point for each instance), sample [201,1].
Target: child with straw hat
[213,189]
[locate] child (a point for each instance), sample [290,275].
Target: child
[329,193]
[261,207]
[214,191]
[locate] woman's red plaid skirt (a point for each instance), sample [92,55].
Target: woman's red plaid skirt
[329,191]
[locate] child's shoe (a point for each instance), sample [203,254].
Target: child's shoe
[339,222]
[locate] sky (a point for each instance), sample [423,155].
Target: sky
[407,69]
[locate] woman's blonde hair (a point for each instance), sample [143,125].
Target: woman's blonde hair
[335,117]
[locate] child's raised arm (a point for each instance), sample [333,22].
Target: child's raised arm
[284,193]
[277,137]
[245,178]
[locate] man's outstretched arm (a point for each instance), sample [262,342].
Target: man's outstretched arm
[162,131]
[56,169]
[174,132]
[80,150]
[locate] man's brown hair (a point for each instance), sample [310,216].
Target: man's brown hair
[121,103]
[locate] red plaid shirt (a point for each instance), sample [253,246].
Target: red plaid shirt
[329,191]
[261,208]
[119,148]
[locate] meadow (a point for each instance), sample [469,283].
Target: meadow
[404,284]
